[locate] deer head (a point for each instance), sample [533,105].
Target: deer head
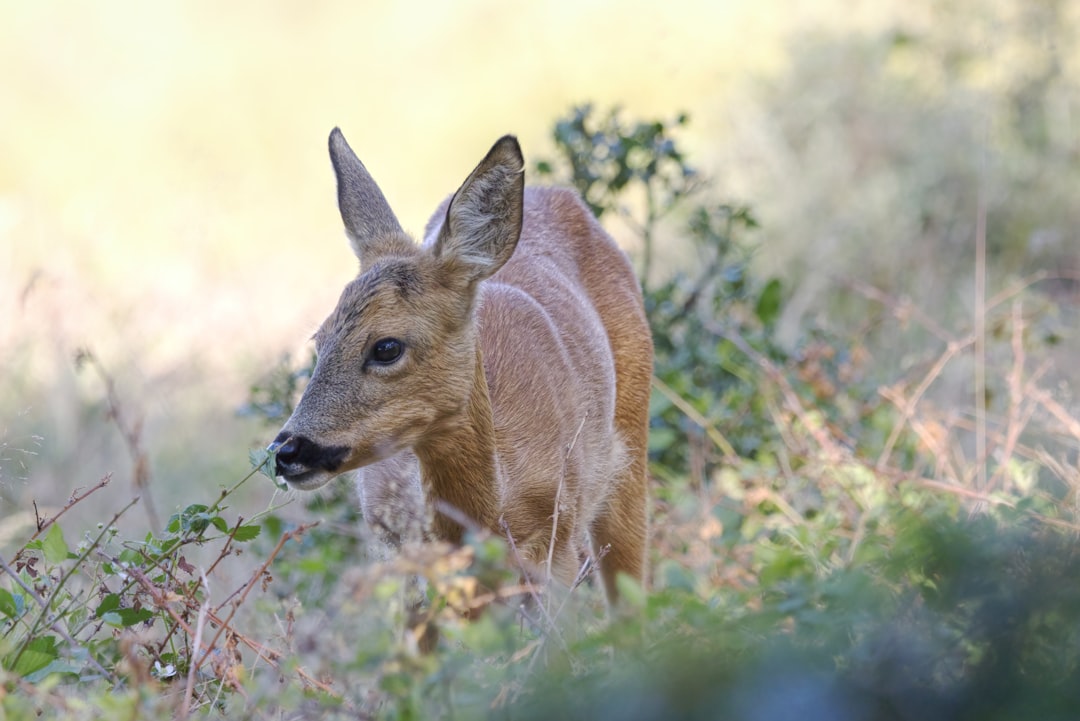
[397,356]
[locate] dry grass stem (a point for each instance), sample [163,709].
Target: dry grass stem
[901,308]
[701,421]
[907,404]
[131,432]
[196,641]
[832,448]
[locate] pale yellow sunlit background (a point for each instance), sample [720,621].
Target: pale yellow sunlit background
[166,199]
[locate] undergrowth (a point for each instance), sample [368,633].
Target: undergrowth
[825,544]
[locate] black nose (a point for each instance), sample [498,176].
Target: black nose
[298,454]
[288,448]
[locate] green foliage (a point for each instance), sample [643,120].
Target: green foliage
[65,610]
[272,398]
[823,546]
[708,319]
[972,639]
[609,157]
[690,314]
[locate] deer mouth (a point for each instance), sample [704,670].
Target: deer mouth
[306,480]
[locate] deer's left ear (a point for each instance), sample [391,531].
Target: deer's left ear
[483,220]
[364,210]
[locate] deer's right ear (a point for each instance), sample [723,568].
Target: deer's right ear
[364,209]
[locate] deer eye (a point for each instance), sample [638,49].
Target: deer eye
[386,351]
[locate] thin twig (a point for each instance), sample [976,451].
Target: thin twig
[130,432]
[587,568]
[1026,282]
[521,564]
[980,341]
[558,503]
[1057,411]
[200,625]
[1021,409]
[552,628]
[901,308]
[228,544]
[482,600]
[907,409]
[832,449]
[701,421]
[43,524]
[554,530]
[953,347]
[162,600]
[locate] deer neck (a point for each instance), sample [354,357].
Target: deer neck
[457,467]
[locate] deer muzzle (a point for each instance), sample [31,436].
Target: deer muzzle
[303,463]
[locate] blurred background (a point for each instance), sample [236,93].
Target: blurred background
[166,201]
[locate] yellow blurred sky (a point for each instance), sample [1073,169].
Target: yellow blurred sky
[164,185]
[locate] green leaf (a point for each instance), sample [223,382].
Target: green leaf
[196,518]
[53,546]
[167,545]
[130,617]
[7,604]
[661,438]
[55,666]
[266,462]
[131,556]
[247,533]
[258,458]
[38,654]
[193,509]
[769,302]
[197,523]
[110,603]
[110,612]
[124,617]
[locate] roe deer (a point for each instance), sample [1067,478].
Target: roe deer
[503,363]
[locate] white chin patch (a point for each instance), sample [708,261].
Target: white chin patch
[308,481]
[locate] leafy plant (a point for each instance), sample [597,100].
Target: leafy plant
[826,544]
[957,621]
[611,158]
[273,397]
[76,614]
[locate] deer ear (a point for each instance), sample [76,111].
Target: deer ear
[483,220]
[364,209]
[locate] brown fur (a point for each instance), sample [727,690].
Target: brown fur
[526,367]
